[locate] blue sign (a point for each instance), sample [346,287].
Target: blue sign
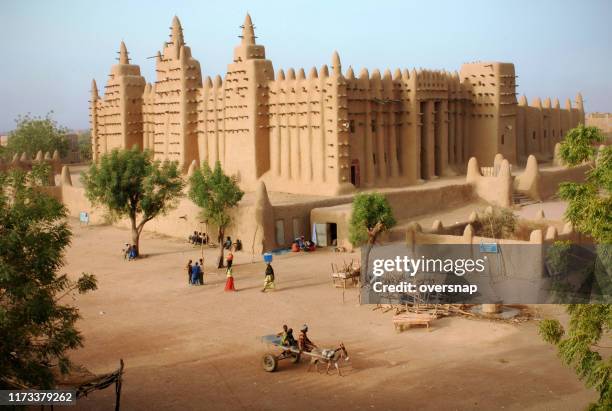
[489,248]
[84,217]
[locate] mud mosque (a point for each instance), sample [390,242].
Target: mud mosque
[327,131]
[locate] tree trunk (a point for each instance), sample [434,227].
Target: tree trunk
[220,236]
[135,236]
[366,257]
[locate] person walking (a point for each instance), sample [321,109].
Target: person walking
[189,270]
[195,274]
[229,282]
[201,276]
[229,259]
[269,280]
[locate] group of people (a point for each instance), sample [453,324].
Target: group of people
[301,244]
[195,273]
[198,238]
[303,343]
[129,252]
[228,244]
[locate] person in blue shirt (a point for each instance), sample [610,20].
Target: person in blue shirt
[195,274]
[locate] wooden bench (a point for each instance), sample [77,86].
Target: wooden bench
[341,279]
[410,319]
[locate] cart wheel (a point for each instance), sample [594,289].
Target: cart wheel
[295,358]
[269,362]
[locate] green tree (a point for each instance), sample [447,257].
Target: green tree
[36,329]
[84,141]
[371,216]
[590,203]
[33,134]
[216,194]
[590,211]
[578,348]
[129,183]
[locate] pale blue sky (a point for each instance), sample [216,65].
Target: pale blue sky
[52,49]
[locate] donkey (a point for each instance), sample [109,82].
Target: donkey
[328,356]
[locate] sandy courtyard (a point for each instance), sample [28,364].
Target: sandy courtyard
[198,348]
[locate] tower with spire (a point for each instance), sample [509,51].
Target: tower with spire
[246,150]
[176,91]
[117,117]
[93,120]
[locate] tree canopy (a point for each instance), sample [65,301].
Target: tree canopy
[129,183]
[215,193]
[590,203]
[36,329]
[371,216]
[33,134]
[590,211]
[579,347]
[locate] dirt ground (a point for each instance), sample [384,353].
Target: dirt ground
[198,348]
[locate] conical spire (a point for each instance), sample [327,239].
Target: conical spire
[336,65]
[350,74]
[123,54]
[94,90]
[177,32]
[397,74]
[248,31]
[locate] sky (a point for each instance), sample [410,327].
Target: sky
[51,49]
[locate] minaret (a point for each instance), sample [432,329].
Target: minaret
[246,89]
[93,120]
[580,107]
[175,112]
[248,49]
[122,106]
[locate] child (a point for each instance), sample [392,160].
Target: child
[229,259]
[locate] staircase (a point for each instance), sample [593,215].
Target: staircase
[521,199]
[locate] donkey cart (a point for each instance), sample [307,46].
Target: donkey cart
[270,361]
[329,357]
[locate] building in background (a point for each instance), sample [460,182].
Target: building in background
[326,131]
[603,121]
